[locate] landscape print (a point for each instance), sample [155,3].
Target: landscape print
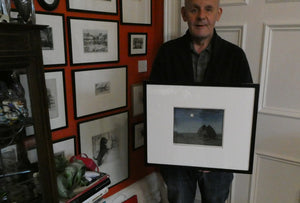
[95,41]
[198,126]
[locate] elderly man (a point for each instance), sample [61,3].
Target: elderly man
[199,56]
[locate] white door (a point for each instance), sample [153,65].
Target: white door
[269,33]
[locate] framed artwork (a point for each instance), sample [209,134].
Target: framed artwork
[9,156]
[49,4]
[63,147]
[96,6]
[139,135]
[105,140]
[233,2]
[137,44]
[204,124]
[53,38]
[99,90]
[55,85]
[24,81]
[137,91]
[93,41]
[136,12]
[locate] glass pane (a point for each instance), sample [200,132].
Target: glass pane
[18,157]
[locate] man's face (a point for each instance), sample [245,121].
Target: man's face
[201,16]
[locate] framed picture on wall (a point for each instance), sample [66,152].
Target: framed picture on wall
[137,91]
[233,2]
[137,44]
[97,6]
[138,135]
[105,140]
[55,85]
[93,41]
[63,147]
[99,90]
[9,158]
[204,124]
[136,12]
[53,38]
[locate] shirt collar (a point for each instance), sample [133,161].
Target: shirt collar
[207,49]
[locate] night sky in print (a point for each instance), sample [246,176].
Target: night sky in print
[198,126]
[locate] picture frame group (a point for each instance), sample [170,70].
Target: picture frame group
[214,126]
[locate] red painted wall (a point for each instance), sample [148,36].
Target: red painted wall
[137,168]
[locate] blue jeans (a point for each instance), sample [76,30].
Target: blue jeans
[182,183]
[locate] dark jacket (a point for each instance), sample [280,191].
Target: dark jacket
[228,63]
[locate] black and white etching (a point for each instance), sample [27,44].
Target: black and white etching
[102,88]
[95,41]
[47,38]
[105,148]
[138,43]
[52,98]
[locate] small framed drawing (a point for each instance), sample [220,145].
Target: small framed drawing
[53,38]
[55,85]
[137,91]
[136,12]
[204,124]
[65,147]
[139,135]
[95,6]
[9,158]
[99,90]
[137,44]
[106,141]
[93,41]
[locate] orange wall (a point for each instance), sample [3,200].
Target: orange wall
[137,168]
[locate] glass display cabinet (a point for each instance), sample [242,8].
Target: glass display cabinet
[27,168]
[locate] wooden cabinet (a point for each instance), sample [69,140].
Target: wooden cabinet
[25,136]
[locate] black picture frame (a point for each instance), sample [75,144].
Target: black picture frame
[111,133]
[85,49]
[137,44]
[106,89]
[207,122]
[93,6]
[66,145]
[48,6]
[55,54]
[136,12]
[57,104]
[137,99]
[139,135]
